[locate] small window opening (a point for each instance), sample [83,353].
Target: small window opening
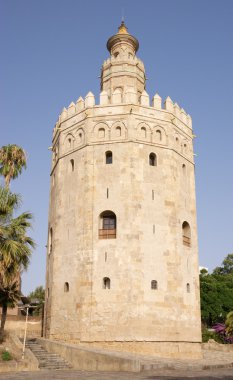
[188,288]
[107,192]
[72,165]
[154,284]
[106,256]
[158,135]
[118,131]
[69,142]
[153,195]
[106,283]
[116,54]
[66,287]
[143,132]
[101,133]
[50,240]
[108,157]
[184,169]
[152,159]
[186,234]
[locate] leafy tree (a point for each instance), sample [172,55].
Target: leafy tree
[217,293]
[39,295]
[12,161]
[15,250]
[227,266]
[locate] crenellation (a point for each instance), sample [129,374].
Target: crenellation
[131,95]
[144,99]
[71,109]
[80,104]
[64,114]
[183,116]
[157,101]
[89,100]
[104,99]
[168,104]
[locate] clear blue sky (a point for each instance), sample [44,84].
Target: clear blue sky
[51,53]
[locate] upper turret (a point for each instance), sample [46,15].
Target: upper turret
[123,71]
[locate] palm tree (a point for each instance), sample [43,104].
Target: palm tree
[9,296]
[12,161]
[15,250]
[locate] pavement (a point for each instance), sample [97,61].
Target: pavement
[220,373]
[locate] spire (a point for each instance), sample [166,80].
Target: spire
[122,37]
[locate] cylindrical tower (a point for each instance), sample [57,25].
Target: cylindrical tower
[122,262]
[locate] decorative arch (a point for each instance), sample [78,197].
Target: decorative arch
[100,132]
[69,141]
[159,135]
[144,132]
[80,136]
[118,131]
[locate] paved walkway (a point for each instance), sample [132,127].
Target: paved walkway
[221,374]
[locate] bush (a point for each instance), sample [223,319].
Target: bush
[206,335]
[6,356]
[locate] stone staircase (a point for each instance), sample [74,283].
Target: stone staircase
[46,360]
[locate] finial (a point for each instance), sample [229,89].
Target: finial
[122,28]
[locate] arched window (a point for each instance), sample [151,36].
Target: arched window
[152,159]
[154,284]
[186,234]
[116,54]
[188,288]
[143,132]
[72,165]
[108,157]
[101,133]
[118,131]
[66,287]
[107,225]
[50,240]
[184,169]
[106,283]
[158,135]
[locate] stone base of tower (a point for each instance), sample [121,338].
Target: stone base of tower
[176,350]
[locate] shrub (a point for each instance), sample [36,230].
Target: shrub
[6,355]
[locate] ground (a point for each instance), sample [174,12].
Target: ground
[224,374]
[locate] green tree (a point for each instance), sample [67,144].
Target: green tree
[216,291]
[12,161]
[15,250]
[39,295]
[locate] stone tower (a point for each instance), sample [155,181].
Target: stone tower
[122,260]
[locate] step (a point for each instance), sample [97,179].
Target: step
[47,360]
